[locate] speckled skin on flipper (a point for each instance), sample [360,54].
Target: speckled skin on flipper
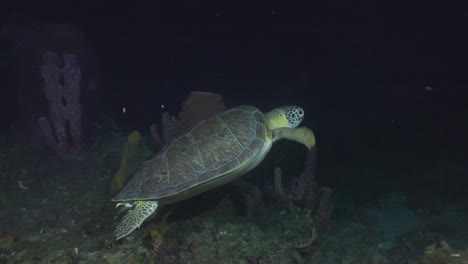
[212,153]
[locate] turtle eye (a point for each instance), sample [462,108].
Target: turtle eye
[300,112]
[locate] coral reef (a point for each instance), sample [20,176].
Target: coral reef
[57,219]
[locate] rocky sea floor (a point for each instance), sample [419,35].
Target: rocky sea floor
[59,211]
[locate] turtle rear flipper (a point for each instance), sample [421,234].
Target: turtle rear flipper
[135,216]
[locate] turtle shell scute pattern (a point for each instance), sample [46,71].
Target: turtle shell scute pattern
[210,149]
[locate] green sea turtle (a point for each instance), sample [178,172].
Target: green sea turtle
[212,153]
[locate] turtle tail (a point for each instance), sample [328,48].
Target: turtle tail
[135,217]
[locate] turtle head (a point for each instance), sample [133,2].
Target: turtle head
[286,116]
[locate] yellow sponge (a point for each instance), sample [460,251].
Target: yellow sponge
[128,155]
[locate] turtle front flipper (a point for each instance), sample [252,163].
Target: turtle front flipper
[302,135]
[135,217]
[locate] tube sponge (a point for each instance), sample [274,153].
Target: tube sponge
[129,154]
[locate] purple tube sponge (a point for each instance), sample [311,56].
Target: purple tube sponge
[62,130]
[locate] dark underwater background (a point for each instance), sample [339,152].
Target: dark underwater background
[383,86]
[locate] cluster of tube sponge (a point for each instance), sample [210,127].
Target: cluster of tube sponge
[63,128]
